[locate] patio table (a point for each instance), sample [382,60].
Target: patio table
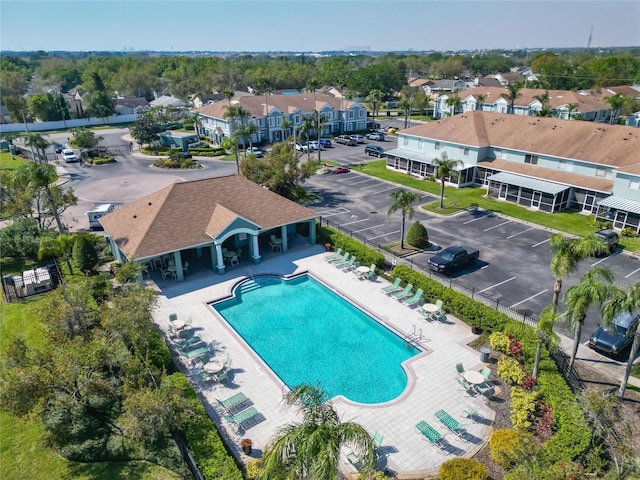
[430,308]
[214,366]
[474,377]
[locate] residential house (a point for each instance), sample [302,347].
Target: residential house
[206,99]
[541,163]
[482,82]
[509,78]
[632,91]
[445,86]
[167,101]
[197,221]
[130,105]
[564,103]
[268,113]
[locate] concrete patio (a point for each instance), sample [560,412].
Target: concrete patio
[431,384]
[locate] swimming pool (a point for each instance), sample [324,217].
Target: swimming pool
[307,333]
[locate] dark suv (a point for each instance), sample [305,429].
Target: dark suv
[613,340]
[609,237]
[374,150]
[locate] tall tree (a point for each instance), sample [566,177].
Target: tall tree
[308,125]
[375,98]
[402,200]
[232,113]
[566,254]
[286,125]
[512,96]
[546,335]
[310,449]
[445,168]
[37,141]
[480,102]
[145,129]
[624,301]
[455,103]
[55,247]
[312,86]
[592,290]
[264,85]
[616,102]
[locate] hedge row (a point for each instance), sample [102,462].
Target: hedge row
[207,151]
[363,254]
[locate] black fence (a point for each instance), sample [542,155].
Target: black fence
[524,316]
[187,455]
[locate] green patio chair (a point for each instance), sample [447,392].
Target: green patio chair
[471,413]
[350,261]
[486,372]
[343,258]
[393,287]
[460,369]
[334,256]
[235,403]
[413,300]
[405,292]
[432,435]
[452,424]
[246,418]
[466,386]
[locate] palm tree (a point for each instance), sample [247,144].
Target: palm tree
[480,102]
[264,86]
[616,102]
[624,301]
[402,200]
[59,246]
[310,449]
[249,129]
[39,176]
[546,110]
[308,124]
[514,93]
[228,93]
[406,104]
[286,125]
[375,97]
[566,254]
[572,107]
[38,142]
[455,102]
[312,85]
[232,113]
[592,289]
[445,168]
[545,334]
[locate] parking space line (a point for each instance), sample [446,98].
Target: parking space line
[516,234]
[364,180]
[540,243]
[475,219]
[356,221]
[381,191]
[635,271]
[497,284]
[339,211]
[528,298]
[496,226]
[384,235]
[599,261]
[369,228]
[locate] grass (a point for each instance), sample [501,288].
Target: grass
[22,452]
[9,162]
[457,199]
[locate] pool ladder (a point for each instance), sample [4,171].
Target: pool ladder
[250,274]
[413,336]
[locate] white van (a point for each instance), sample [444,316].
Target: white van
[97,212]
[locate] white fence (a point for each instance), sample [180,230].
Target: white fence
[65,124]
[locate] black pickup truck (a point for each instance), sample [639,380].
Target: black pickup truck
[453,258]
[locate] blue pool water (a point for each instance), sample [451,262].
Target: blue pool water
[307,333]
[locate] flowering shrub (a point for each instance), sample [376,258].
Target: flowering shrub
[543,426]
[523,406]
[510,371]
[499,341]
[568,471]
[515,349]
[462,469]
[528,383]
[505,446]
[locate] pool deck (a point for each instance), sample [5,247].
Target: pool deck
[432,381]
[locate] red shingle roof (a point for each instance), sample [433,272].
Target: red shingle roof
[187,214]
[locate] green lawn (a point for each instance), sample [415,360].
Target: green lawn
[457,199]
[9,162]
[22,452]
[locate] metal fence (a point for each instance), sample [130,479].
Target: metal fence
[187,455]
[524,316]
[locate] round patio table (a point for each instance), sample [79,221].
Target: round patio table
[363,269]
[430,307]
[474,377]
[178,325]
[214,366]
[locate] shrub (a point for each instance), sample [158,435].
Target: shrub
[418,236]
[523,406]
[462,469]
[602,224]
[364,255]
[510,371]
[253,469]
[505,446]
[627,232]
[499,341]
[84,254]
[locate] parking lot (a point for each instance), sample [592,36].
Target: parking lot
[513,269]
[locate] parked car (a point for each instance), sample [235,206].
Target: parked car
[69,156]
[390,129]
[358,138]
[302,146]
[325,143]
[615,338]
[379,136]
[346,140]
[609,237]
[453,258]
[255,151]
[341,170]
[313,145]
[374,150]
[58,148]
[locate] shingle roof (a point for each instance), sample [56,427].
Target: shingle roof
[285,103]
[187,214]
[613,145]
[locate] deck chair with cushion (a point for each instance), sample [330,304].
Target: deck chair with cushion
[431,435]
[452,424]
[351,260]
[243,419]
[235,403]
[417,297]
[342,258]
[393,287]
[405,292]
[334,256]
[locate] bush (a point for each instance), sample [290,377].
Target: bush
[523,406]
[506,447]
[499,341]
[84,254]
[602,224]
[418,236]
[364,255]
[462,469]
[510,371]
[253,469]
[627,232]
[21,239]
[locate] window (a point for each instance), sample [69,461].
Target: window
[465,151]
[405,140]
[296,118]
[436,146]
[279,121]
[271,122]
[562,165]
[532,159]
[351,115]
[498,153]
[421,143]
[600,172]
[634,184]
[363,113]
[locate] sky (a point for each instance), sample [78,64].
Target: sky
[313,26]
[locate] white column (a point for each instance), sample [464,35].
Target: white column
[255,249]
[283,234]
[177,260]
[219,259]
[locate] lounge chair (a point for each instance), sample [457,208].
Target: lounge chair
[405,292]
[413,300]
[182,344]
[350,261]
[431,435]
[452,424]
[349,266]
[195,353]
[235,403]
[471,413]
[393,287]
[343,258]
[371,273]
[334,256]
[243,419]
